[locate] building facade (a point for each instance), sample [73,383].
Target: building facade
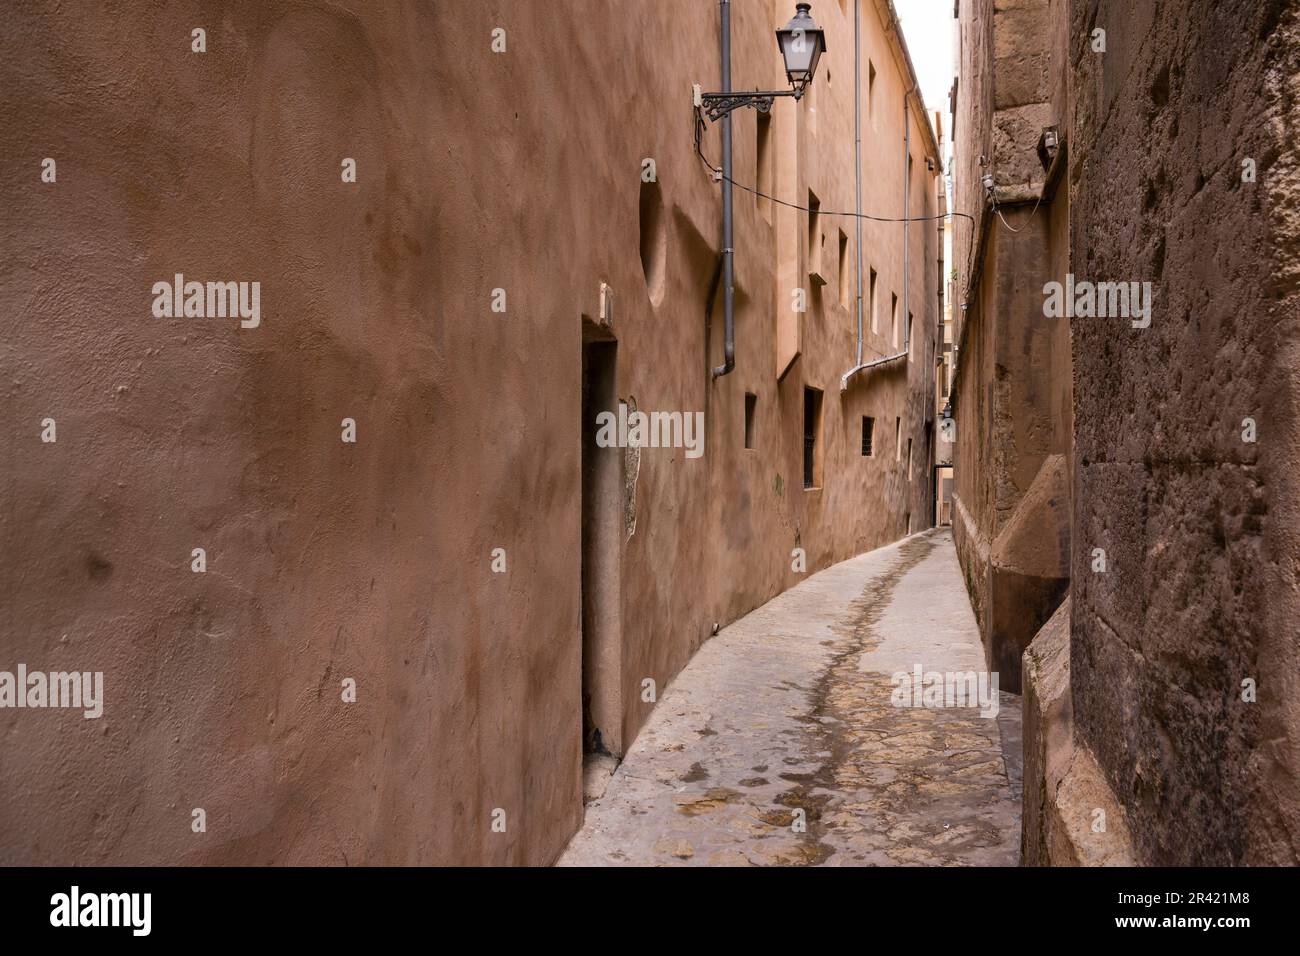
[363,584]
[1011,386]
[946,361]
[1183,653]
[1160,723]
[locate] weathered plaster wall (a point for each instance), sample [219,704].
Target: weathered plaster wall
[752,501]
[326,560]
[1201,529]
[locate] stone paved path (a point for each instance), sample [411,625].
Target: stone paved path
[790,708]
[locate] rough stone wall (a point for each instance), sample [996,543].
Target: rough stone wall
[1023,60]
[1013,380]
[972,135]
[1201,529]
[1071,816]
[372,561]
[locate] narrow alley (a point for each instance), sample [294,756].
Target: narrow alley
[666,433]
[789,709]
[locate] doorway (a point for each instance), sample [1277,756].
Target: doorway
[601,516]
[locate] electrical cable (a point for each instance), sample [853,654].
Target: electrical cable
[721,177]
[701,124]
[998,211]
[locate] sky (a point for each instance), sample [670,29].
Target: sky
[928,26]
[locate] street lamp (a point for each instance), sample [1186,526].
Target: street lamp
[801,42]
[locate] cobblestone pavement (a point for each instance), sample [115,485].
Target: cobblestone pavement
[790,708]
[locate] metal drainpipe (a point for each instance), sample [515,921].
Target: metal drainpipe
[907,183]
[728,252]
[857,163]
[907,213]
[857,156]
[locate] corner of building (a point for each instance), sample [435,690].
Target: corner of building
[1071,815]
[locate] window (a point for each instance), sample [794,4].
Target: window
[844,269]
[868,428]
[764,172]
[952,104]
[751,403]
[654,240]
[811,96]
[875,325]
[812,426]
[893,312]
[815,240]
[908,333]
[871,92]
[909,459]
[898,439]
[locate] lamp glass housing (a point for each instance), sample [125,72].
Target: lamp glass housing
[802,42]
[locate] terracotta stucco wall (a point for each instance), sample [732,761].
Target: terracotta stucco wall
[373,561]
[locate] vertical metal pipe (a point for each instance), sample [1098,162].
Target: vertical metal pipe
[857,172]
[857,152]
[728,251]
[907,213]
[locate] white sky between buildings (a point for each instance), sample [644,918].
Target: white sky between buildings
[928,26]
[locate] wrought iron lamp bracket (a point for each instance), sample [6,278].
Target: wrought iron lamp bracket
[718,105]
